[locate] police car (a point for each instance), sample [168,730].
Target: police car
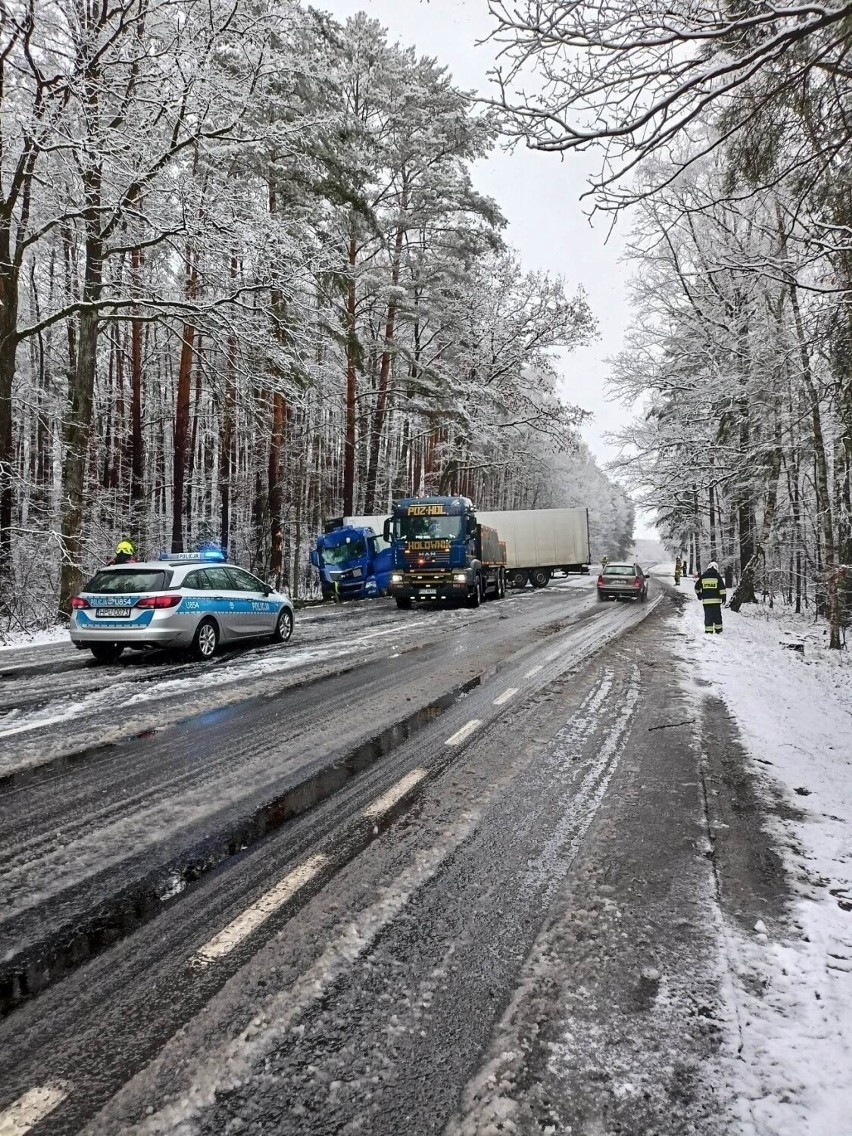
[190,601]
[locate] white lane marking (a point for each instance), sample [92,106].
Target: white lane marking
[505,696]
[261,910]
[24,1113]
[460,735]
[555,655]
[534,671]
[401,626]
[394,794]
[280,1012]
[358,932]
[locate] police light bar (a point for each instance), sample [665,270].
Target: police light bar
[210,554]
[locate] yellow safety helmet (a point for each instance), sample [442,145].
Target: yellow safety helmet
[127,547]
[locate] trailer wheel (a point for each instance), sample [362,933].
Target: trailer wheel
[540,577]
[518,578]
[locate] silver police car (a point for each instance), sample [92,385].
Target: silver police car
[184,601]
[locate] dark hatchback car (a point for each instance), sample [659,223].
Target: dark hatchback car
[625,581]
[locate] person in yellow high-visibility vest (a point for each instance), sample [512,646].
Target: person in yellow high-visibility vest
[710,589]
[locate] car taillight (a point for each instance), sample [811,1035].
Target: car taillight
[600,581]
[78,603]
[159,601]
[638,582]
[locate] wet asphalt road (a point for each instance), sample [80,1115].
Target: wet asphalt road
[371,991]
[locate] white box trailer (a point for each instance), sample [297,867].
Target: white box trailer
[540,542]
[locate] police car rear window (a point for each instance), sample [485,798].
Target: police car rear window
[128,580]
[620,570]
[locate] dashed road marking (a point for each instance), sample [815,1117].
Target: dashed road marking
[261,910]
[460,735]
[28,1110]
[394,794]
[505,696]
[397,627]
[534,671]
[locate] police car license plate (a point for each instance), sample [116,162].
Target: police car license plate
[428,591]
[112,612]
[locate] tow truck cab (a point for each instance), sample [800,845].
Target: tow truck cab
[441,552]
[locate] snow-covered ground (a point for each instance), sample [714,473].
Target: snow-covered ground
[10,640]
[791,993]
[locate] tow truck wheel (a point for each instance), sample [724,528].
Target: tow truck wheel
[205,641]
[283,627]
[106,652]
[403,602]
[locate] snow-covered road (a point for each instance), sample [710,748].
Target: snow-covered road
[526,869]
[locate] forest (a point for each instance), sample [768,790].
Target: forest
[247,283]
[725,132]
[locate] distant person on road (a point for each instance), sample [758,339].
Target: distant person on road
[125,552]
[678,571]
[710,589]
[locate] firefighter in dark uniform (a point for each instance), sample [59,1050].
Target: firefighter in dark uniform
[710,589]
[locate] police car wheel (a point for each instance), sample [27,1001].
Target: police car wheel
[283,626]
[205,640]
[106,652]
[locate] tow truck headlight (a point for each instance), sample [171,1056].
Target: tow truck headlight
[460,578]
[396,577]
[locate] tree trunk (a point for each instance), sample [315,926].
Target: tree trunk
[711,503]
[81,397]
[351,388]
[184,388]
[77,436]
[384,369]
[8,354]
[137,450]
[745,587]
[226,443]
[276,485]
[824,504]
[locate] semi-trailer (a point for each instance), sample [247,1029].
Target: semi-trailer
[540,542]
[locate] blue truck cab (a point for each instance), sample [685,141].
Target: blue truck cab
[353,562]
[441,552]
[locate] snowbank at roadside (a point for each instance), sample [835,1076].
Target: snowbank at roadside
[792,701]
[10,640]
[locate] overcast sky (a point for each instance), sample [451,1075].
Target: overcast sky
[537,193]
